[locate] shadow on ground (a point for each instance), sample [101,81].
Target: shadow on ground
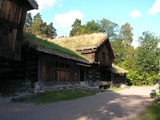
[102,106]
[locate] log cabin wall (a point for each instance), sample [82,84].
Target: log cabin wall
[30,59]
[14,68]
[101,58]
[57,70]
[46,68]
[19,76]
[84,73]
[104,56]
[12,18]
[105,74]
[89,53]
[118,78]
[94,75]
[12,75]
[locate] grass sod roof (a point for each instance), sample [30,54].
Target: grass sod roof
[35,42]
[82,41]
[118,70]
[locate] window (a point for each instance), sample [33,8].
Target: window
[62,65]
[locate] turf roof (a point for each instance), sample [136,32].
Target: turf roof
[118,70]
[80,41]
[38,42]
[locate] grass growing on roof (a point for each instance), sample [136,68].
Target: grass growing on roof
[75,42]
[118,70]
[35,41]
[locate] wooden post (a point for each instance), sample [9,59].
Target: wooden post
[39,69]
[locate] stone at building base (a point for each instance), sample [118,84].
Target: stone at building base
[42,88]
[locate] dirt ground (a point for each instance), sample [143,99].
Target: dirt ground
[123,105]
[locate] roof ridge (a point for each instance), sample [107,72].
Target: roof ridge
[87,40]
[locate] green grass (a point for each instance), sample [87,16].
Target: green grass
[35,41]
[58,96]
[152,112]
[115,89]
[158,93]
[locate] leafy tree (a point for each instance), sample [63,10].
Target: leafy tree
[102,26]
[75,28]
[147,53]
[118,48]
[51,31]
[48,31]
[130,58]
[92,27]
[37,25]
[28,23]
[126,34]
[109,27]
[76,24]
[81,30]
[147,57]
[125,56]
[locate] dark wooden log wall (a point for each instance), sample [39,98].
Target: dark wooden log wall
[19,76]
[12,75]
[117,78]
[45,68]
[67,71]
[103,55]
[12,18]
[12,10]
[90,54]
[94,74]
[105,74]
[30,59]
[57,70]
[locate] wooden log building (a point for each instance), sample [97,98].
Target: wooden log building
[12,19]
[118,76]
[97,48]
[44,63]
[56,65]
[26,60]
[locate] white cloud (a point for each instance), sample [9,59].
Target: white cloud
[135,14]
[45,4]
[155,8]
[63,22]
[67,19]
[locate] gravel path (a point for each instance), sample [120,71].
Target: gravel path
[122,105]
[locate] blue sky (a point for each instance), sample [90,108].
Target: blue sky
[143,15]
